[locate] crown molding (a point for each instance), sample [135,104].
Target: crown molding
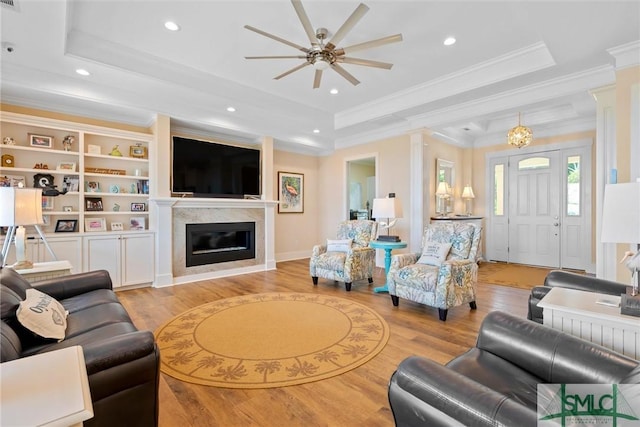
[626,55]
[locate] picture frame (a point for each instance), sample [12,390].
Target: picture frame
[66,226]
[117,226]
[92,187]
[42,180]
[95,224]
[138,207]
[40,141]
[93,204]
[67,209]
[94,149]
[138,151]
[290,192]
[70,183]
[12,181]
[47,203]
[66,166]
[137,223]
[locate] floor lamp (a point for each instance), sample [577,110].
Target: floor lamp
[621,224]
[20,207]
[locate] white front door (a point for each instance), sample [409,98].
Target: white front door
[534,209]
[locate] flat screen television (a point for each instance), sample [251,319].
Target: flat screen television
[208,169]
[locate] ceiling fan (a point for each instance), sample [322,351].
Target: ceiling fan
[322,56]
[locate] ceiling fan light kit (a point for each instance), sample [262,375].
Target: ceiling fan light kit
[323,56]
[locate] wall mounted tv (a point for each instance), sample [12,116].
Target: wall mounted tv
[208,169]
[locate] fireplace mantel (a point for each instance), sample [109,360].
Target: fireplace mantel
[169,209]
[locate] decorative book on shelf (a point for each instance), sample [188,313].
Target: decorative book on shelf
[106,171]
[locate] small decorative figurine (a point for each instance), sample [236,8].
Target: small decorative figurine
[116,207]
[68,141]
[115,152]
[7,140]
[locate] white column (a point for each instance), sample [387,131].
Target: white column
[164,242]
[267,168]
[419,184]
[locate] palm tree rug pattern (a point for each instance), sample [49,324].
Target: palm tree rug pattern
[270,340]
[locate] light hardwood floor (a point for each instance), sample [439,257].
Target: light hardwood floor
[356,398]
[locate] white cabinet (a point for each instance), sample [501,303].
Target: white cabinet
[68,248]
[128,257]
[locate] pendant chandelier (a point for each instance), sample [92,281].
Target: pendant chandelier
[520,136]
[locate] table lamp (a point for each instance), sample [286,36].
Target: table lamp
[20,207]
[443,192]
[391,209]
[468,196]
[621,224]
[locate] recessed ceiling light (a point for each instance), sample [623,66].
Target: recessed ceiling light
[449,41]
[171,26]
[316,131]
[333,91]
[231,109]
[83,72]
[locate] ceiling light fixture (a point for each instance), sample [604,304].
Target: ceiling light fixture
[171,26]
[520,136]
[334,91]
[449,41]
[321,64]
[316,131]
[231,109]
[83,72]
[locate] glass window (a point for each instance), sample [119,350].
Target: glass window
[498,190]
[573,186]
[534,163]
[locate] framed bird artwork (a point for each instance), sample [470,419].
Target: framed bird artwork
[290,192]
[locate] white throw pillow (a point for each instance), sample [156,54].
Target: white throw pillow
[343,245]
[434,253]
[43,315]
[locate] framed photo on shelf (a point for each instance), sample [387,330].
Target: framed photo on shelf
[136,223]
[47,203]
[40,141]
[95,224]
[117,226]
[66,166]
[67,209]
[71,183]
[66,225]
[93,203]
[138,151]
[92,187]
[12,181]
[290,192]
[138,207]
[94,149]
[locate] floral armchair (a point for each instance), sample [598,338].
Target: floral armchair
[444,283]
[348,259]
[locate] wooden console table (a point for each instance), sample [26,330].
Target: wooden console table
[578,313]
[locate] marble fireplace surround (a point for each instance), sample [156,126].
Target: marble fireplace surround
[175,213]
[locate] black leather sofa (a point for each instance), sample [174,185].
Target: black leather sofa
[495,382]
[122,362]
[565,279]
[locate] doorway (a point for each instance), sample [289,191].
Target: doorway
[539,207]
[361,186]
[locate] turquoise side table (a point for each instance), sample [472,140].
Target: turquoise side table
[388,247]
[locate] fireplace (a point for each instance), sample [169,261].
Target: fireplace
[211,243]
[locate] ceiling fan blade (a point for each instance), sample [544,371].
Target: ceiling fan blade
[276,38]
[276,57]
[304,19]
[348,25]
[365,62]
[317,78]
[344,73]
[368,45]
[293,70]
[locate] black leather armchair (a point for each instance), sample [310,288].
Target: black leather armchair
[123,363]
[495,382]
[565,279]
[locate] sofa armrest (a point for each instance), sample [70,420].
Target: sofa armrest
[75,284]
[121,349]
[565,279]
[318,250]
[422,392]
[550,354]
[402,260]
[534,312]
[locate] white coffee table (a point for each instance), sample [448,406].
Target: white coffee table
[578,313]
[46,270]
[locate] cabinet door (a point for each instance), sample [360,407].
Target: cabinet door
[65,248]
[103,253]
[137,259]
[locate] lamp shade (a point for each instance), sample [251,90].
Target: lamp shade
[20,206]
[467,193]
[621,213]
[443,189]
[389,207]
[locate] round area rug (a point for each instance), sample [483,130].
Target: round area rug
[270,340]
